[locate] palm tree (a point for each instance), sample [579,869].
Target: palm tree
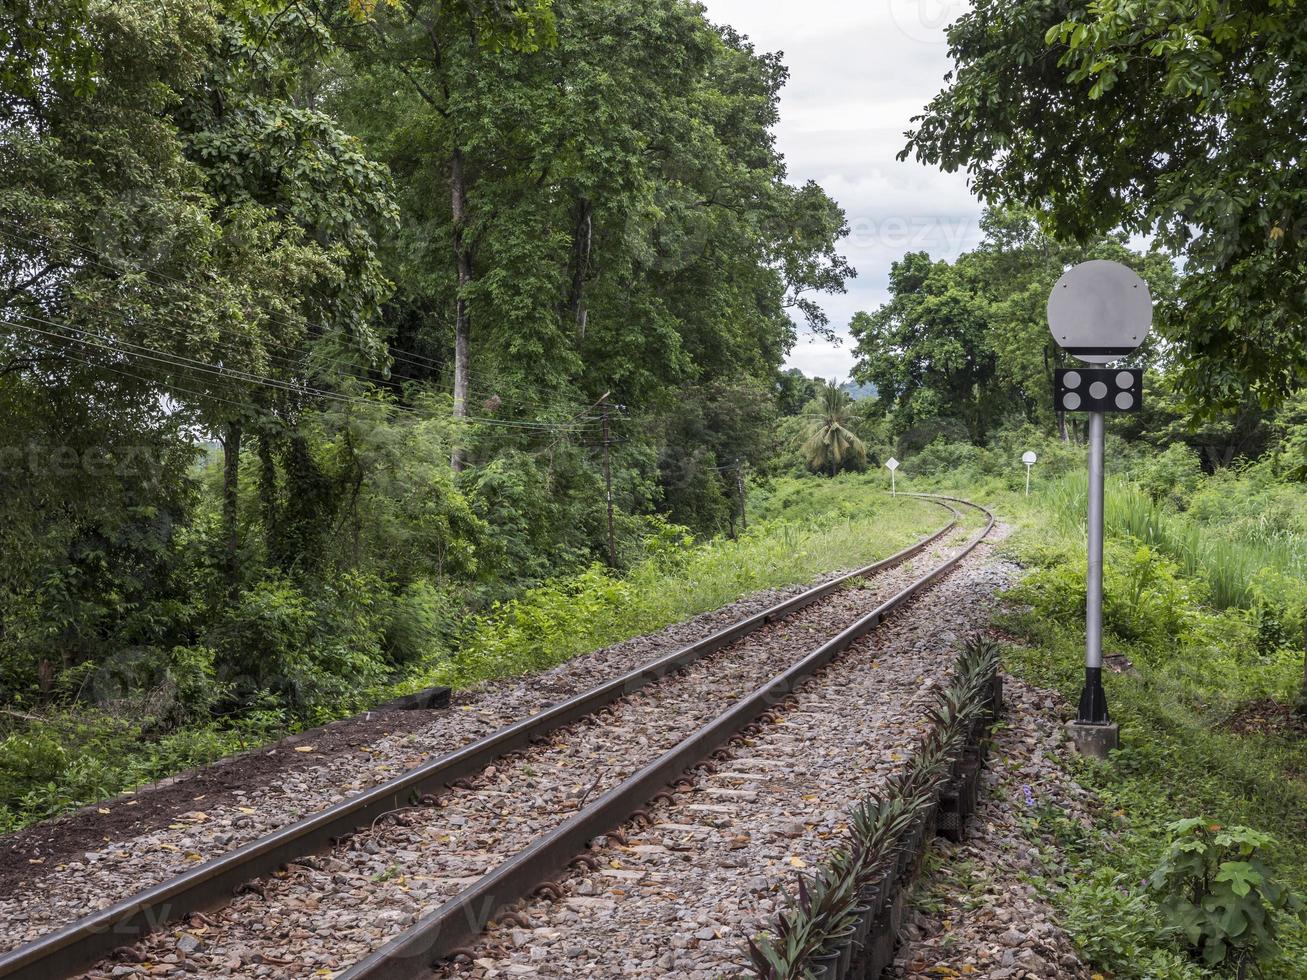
[831,441]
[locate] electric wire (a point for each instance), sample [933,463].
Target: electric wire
[521,390]
[184,363]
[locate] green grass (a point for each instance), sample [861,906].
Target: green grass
[1206,612]
[77,757]
[787,543]
[1242,564]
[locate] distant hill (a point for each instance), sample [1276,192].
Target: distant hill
[857,392]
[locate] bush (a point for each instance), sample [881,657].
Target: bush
[1119,928]
[315,654]
[942,457]
[421,623]
[1171,476]
[1217,893]
[1143,598]
[28,759]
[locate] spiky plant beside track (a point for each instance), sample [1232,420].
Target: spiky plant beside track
[856,878]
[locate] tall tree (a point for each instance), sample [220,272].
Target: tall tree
[1179,120]
[632,226]
[451,57]
[929,350]
[831,443]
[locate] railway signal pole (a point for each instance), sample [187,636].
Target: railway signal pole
[1098,312]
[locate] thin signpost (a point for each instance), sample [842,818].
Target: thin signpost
[1098,312]
[893,465]
[1029,459]
[608,482]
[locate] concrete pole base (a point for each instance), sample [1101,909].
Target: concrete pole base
[1094,741]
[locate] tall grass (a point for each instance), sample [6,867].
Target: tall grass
[1230,560]
[572,616]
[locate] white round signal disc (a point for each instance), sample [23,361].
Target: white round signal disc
[1100,311]
[1030,459]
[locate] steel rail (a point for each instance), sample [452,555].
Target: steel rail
[81,944]
[462,918]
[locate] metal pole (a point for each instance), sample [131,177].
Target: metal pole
[893,483]
[1093,702]
[1027,479]
[608,486]
[739,486]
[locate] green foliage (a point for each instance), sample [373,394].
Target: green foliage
[831,444]
[1216,891]
[962,348]
[421,624]
[1171,476]
[1197,669]
[927,351]
[675,580]
[1291,449]
[234,244]
[1119,928]
[1170,116]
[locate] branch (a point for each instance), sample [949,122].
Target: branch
[32,280]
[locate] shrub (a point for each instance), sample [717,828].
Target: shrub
[942,457]
[1119,928]
[421,623]
[1217,893]
[1171,476]
[28,759]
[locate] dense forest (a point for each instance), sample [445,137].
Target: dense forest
[334,328]
[327,322]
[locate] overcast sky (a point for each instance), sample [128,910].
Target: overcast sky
[857,75]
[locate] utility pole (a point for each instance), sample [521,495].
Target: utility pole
[608,484]
[739,489]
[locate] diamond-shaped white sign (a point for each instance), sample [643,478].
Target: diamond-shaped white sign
[893,464]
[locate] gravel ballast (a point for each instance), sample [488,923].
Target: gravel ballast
[681,897]
[338,906]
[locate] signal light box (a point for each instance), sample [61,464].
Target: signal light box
[1098,389]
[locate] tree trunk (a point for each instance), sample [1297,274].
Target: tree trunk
[231,466]
[1061,427]
[582,240]
[462,315]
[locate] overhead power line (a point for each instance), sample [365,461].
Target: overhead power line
[130,351]
[524,391]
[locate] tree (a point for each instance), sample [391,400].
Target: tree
[831,444]
[928,351]
[632,224]
[970,341]
[794,390]
[1182,121]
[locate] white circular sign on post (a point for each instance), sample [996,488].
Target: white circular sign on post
[1030,459]
[893,464]
[1100,311]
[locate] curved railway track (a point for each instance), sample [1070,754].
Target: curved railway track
[518,805]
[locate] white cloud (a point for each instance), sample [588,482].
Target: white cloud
[857,76]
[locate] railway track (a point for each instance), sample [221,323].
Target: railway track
[431,856]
